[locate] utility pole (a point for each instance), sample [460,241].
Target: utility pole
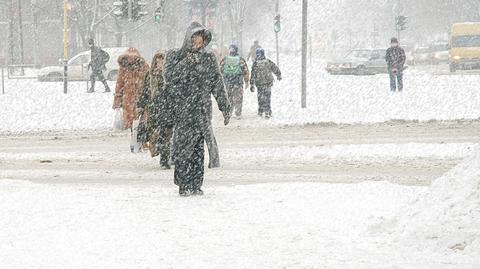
[20,27]
[304,51]
[65,46]
[277,4]
[33,9]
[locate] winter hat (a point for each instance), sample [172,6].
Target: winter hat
[393,40]
[233,49]
[260,54]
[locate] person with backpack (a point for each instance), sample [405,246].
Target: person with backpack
[395,58]
[98,60]
[262,78]
[235,73]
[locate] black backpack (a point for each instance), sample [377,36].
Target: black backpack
[104,56]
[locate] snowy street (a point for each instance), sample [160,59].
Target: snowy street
[82,200]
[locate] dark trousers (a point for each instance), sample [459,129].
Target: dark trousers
[396,81]
[264,96]
[235,96]
[164,145]
[214,155]
[189,172]
[100,77]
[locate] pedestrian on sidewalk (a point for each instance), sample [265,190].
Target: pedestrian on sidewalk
[395,58]
[235,73]
[262,78]
[192,76]
[98,59]
[152,107]
[129,85]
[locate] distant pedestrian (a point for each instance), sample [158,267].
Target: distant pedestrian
[395,58]
[153,107]
[192,75]
[235,73]
[129,85]
[253,50]
[262,78]
[98,59]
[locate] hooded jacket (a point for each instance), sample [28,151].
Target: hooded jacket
[192,77]
[129,84]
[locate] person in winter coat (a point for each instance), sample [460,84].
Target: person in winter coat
[98,59]
[262,78]
[235,72]
[192,76]
[253,50]
[395,58]
[129,84]
[152,104]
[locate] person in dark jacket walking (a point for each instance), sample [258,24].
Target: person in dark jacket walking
[262,78]
[235,72]
[98,59]
[152,105]
[192,76]
[395,58]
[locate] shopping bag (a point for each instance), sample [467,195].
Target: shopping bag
[134,144]
[118,121]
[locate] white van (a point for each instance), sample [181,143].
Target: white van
[78,67]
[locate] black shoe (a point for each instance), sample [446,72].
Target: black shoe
[165,166]
[198,192]
[184,192]
[90,91]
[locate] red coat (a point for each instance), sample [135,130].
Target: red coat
[129,84]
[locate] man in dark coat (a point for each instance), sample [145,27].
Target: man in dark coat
[262,78]
[192,76]
[235,72]
[98,59]
[395,58]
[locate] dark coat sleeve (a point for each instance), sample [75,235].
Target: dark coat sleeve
[145,95]
[275,69]
[215,83]
[253,74]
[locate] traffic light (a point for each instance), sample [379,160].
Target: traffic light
[137,9]
[158,15]
[401,22]
[277,27]
[121,8]
[130,9]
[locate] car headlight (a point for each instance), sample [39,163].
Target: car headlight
[456,57]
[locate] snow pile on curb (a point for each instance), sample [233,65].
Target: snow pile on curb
[448,213]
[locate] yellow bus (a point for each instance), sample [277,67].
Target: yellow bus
[464,46]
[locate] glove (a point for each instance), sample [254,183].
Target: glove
[279,78]
[395,71]
[226,118]
[252,88]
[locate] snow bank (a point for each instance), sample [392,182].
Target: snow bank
[446,216]
[449,212]
[31,106]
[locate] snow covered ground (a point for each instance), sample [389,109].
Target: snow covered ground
[30,106]
[143,223]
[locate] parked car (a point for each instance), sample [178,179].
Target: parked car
[78,67]
[439,53]
[422,56]
[359,62]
